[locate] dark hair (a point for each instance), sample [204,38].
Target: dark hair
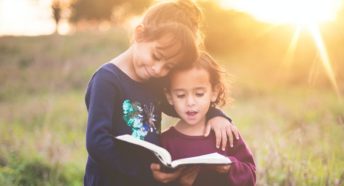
[206,62]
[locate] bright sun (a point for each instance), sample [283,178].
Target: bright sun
[304,14]
[298,12]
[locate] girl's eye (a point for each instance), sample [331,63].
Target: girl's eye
[180,95]
[199,94]
[155,57]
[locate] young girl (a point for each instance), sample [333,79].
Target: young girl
[124,96]
[192,91]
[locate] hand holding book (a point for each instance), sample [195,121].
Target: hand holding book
[163,176]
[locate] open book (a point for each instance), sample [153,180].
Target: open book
[165,158]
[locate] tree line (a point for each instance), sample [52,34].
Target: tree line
[226,30]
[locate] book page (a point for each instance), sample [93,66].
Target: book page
[213,158]
[162,154]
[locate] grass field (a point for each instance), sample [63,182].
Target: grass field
[294,127]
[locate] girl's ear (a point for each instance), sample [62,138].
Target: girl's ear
[215,93]
[168,96]
[138,33]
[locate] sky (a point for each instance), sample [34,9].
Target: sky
[26,17]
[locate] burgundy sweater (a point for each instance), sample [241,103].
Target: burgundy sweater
[241,172]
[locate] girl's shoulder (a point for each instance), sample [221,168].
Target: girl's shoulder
[105,77]
[110,73]
[107,69]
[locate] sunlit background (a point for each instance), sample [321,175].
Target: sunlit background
[28,17]
[25,17]
[34,17]
[295,12]
[283,57]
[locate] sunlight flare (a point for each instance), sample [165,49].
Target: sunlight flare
[297,12]
[292,47]
[303,14]
[314,30]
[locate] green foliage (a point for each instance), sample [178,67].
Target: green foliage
[35,171]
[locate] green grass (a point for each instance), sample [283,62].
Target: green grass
[294,129]
[295,138]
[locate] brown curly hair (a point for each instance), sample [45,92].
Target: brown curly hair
[216,75]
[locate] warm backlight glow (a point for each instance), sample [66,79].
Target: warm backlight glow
[26,17]
[300,12]
[304,14]
[324,57]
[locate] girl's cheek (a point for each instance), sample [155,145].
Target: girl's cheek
[168,71]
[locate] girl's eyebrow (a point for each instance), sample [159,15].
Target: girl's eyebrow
[160,48]
[183,90]
[178,90]
[200,88]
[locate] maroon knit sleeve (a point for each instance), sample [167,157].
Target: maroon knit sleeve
[243,168]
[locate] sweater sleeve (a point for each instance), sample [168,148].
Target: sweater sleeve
[101,97]
[243,168]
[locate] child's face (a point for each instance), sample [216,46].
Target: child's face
[154,59]
[191,94]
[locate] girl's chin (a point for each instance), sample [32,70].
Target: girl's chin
[191,121]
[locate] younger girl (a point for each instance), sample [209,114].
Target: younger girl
[192,91]
[124,95]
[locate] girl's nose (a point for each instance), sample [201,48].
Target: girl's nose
[157,69]
[190,101]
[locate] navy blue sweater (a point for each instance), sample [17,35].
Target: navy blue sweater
[118,105]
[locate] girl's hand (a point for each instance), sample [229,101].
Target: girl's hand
[222,169]
[189,175]
[162,176]
[223,130]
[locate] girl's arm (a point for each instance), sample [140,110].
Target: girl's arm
[101,97]
[223,128]
[243,169]
[240,172]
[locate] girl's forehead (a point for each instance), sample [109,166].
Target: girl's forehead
[192,74]
[193,71]
[168,47]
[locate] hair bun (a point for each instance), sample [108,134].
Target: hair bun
[193,11]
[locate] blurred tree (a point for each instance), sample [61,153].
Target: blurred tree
[105,9]
[56,7]
[228,30]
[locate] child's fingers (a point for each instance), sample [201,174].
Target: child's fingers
[155,167]
[162,176]
[224,139]
[235,130]
[189,175]
[229,134]
[192,169]
[207,130]
[222,169]
[218,137]
[179,170]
